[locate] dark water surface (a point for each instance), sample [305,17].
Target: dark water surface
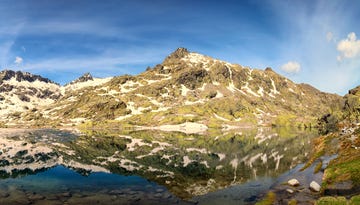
[146,167]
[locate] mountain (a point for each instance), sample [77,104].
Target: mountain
[22,91]
[86,80]
[352,104]
[190,87]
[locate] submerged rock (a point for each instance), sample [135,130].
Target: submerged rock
[47,202]
[35,197]
[290,191]
[342,188]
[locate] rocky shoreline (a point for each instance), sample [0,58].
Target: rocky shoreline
[11,196]
[331,174]
[302,186]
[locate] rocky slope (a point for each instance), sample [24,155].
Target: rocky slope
[22,91]
[341,177]
[335,157]
[190,87]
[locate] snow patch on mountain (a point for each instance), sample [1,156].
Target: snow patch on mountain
[35,84]
[90,83]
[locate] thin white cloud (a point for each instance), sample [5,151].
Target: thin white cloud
[313,35]
[349,47]
[119,63]
[5,52]
[9,34]
[329,36]
[18,60]
[291,67]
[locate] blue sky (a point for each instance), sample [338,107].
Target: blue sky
[315,42]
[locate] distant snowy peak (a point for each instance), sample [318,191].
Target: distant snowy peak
[182,58]
[84,78]
[177,54]
[22,91]
[12,80]
[22,76]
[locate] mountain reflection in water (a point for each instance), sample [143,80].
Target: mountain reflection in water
[145,167]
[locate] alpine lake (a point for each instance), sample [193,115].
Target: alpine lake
[50,166]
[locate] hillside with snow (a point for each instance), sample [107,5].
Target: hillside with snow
[23,92]
[188,87]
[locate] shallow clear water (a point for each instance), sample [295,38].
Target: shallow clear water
[61,184]
[146,167]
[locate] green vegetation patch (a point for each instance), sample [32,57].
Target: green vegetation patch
[355,200]
[343,171]
[328,200]
[268,200]
[292,202]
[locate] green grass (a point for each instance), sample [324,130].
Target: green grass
[355,200]
[348,170]
[328,200]
[318,167]
[292,202]
[268,200]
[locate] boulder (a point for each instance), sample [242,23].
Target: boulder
[314,186]
[293,182]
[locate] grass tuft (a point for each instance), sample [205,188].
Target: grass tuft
[268,200]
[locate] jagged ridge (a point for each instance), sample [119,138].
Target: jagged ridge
[22,76]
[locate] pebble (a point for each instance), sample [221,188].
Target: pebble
[132,192]
[116,192]
[65,194]
[35,197]
[47,202]
[158,195]
[293,182]
[4,194]
[167,196]
[290,191]
[159,190]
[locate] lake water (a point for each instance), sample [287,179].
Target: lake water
[146,167]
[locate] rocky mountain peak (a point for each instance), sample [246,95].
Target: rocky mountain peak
[355,91]
[87,76]
[22,76]
[178,54]
[84,78]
